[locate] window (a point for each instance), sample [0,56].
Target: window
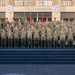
[21,2]
[26,2]
[44,2]
[2,2]
[66,2]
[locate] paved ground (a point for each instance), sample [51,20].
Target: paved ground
[37,69]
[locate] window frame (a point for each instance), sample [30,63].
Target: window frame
[23,4]
[66,3]
[37,3]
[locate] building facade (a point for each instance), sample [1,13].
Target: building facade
[23,8]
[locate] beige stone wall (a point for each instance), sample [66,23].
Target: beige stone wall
[33,2]
[34,8]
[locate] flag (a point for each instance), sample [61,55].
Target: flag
[42,20]
[37,17]
[30,17]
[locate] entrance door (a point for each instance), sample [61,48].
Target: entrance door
[18,15]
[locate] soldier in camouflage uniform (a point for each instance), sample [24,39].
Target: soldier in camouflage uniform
[20,26]
[33,30]
[7,27]
[43,37]
[29,38]
[23,37]
[10,38]
[12,27]
[13,22]
[73,29]
[36,37]
[28,26]
[49,37]
[26,22]
[46,22]
[73,23]
[55,39]
[16,37]
[0,23]
[3,39]
[70,38]
[68,23]
[54,22]
[62,38]
[39,22]
[6,22]
[19,21]
[0,34]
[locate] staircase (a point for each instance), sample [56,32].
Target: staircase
[37,56]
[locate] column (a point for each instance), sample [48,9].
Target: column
[58,14]
[9,15]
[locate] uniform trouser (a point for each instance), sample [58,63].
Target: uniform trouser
[3,42]
[10,43]
[62,43]
[70,43]
[49,43]
[16,42]
[36,42]
[74,40]
[43,42]
[55,43]
[29,42]
[0,41]
[23,42]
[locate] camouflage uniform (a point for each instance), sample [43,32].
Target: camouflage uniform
[49,37]
[7,27]
[10,39]
[55,39]
[23,38]
[29,38]
[16,37]
[36,37]
[62,39]
[43,37]
[3,39]
[73,29]
[68,23]
[6,22]
[0,35]
[13,22]
[70,38]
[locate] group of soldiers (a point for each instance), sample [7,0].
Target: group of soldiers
[50,34]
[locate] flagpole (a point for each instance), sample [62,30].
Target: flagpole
[37,17]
